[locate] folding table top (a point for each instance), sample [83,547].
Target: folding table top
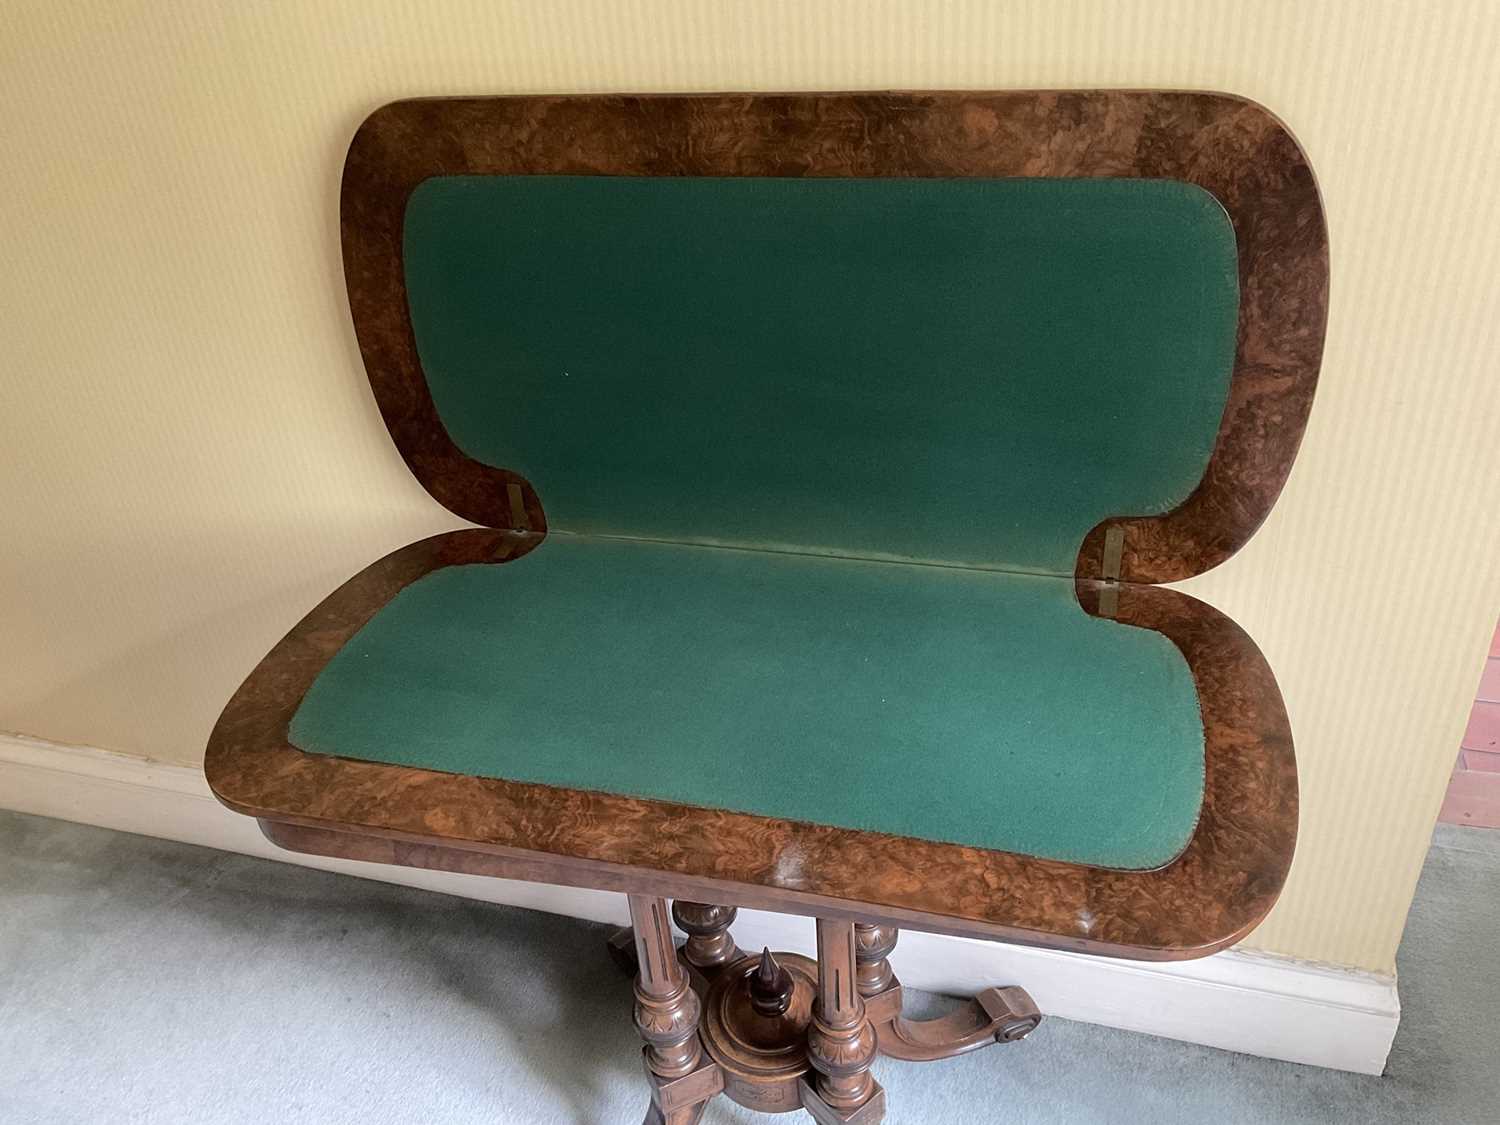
[829,447]
[968,371]
[973,707]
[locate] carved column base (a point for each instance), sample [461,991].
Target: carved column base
[871,1111]
[841,1042]
[780,1032]
[667,1011]
[681,1101]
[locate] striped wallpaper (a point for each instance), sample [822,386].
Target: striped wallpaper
[190,458]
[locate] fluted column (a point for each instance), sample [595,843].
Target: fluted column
[666,1008]
[841,1041]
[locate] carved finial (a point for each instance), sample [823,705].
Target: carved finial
[771,986]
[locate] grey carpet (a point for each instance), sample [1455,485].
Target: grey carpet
[146,981]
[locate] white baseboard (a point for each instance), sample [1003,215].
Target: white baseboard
[1240,1001]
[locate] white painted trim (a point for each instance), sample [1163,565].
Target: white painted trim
[1241,1001]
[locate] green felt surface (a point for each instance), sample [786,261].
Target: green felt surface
[973,371]
[976,707]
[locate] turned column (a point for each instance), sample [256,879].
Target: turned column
[841,1040]
[872,949]
[709,945]
[666,1008]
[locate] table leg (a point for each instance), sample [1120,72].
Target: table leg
[841,1040]
[709,946]
[683,1079]
[872,951]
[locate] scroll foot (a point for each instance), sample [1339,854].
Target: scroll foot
[996,1015]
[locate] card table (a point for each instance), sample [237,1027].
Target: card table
[828,457]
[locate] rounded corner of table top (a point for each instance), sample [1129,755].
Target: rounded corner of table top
[1222,884]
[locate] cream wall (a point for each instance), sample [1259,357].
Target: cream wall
[190,458]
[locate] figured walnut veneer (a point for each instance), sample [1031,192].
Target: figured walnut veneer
[1210,896]
[1232,148]
[1228,876]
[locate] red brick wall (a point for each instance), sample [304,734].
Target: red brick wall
[1474,793]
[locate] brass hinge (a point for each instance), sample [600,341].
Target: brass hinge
[519,520]
[1109,571]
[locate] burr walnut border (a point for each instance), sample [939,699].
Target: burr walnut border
[1232,148]
[1219,888]
[1231,871]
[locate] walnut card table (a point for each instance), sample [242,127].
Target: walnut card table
[828,454]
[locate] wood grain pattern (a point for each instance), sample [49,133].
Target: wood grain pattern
[666,1008]
[1232,869]
[1210,896]
[761,1049]
[873,946]
[996,1015]
[667,1015]
[710,946]
[841,1042]
[1230,147]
